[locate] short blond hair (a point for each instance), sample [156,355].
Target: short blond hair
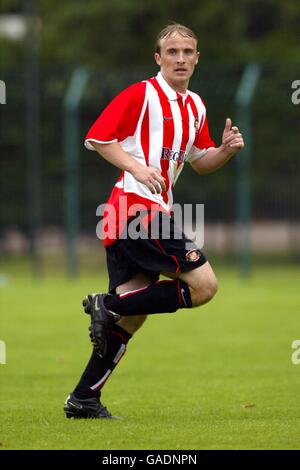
[171,29]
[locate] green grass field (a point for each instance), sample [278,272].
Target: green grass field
[217,377]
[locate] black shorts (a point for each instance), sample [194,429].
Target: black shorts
[152,253]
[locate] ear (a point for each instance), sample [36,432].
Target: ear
[157,58]
[198,57]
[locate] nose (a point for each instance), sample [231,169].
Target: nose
[180,57]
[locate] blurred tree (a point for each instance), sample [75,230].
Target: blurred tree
[121,32]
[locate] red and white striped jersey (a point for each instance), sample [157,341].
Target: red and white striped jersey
[158,127]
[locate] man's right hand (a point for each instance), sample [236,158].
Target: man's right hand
[149,176]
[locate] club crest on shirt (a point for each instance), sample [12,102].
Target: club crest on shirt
[193,255]
[196,124]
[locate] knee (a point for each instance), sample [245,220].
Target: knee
[204,292]
[211,289]
[132,323]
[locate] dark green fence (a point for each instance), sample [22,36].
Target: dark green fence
[275,167]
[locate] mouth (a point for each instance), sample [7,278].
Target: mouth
[180,69]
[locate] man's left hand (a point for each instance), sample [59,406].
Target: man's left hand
[232,139]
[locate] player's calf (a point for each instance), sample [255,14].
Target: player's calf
[132,324]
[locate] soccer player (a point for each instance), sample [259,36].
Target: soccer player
[149,131]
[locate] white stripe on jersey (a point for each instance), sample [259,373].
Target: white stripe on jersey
[176,144]
[156,127]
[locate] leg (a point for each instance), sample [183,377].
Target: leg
[84,400]
[193,280]
[184,290]
[133,323]
[103,319]
[202,283]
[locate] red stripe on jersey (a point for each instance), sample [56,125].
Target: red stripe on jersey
[121,211]
[202,138]
[168,133]
[185,124]
[145,135]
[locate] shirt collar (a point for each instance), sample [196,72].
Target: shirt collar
[169,92]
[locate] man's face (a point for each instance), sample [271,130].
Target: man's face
[177,59]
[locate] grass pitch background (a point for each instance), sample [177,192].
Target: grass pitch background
[217,377]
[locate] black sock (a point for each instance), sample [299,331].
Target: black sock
[160,297]
[98,370]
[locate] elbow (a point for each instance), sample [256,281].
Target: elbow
[103,149]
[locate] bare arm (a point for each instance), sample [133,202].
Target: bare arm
[115,155]
[215,158]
